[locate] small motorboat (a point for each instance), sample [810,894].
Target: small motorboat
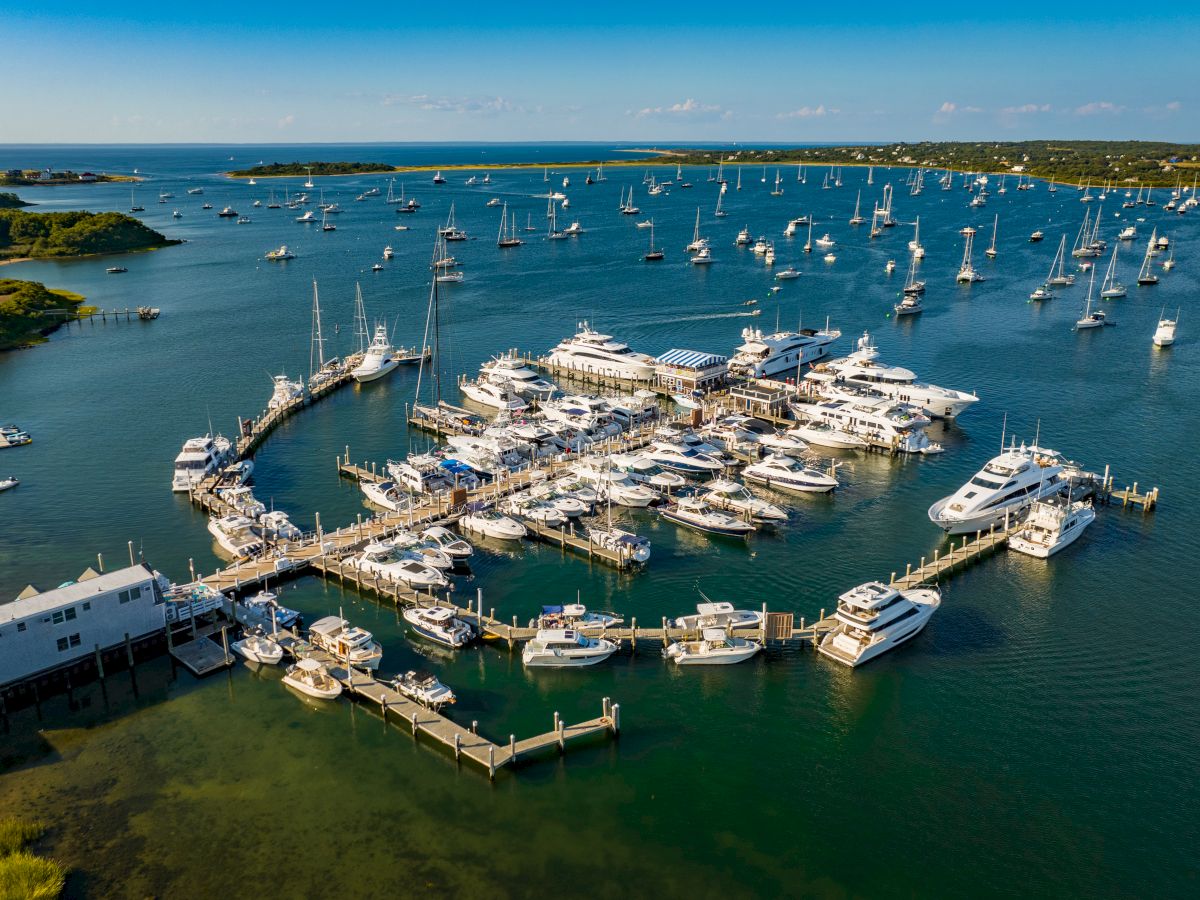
[9,482]
[715,648]
[312,678]
[492,524]
[563,647]
[577,616]
[343,641]
[257,647]
[378,267]
[424,688]
[787,274]
[697,513]
[116,270]
[265,604]
[449,542]
[720,614]
[439,624]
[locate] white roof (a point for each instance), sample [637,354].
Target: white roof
[328,626]
[309,665]
[709,609]
[438,613]
[714,635]
[74,592]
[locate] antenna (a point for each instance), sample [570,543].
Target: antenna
[1003,429]
[1037,435]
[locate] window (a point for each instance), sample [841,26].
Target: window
[69,613]
[87,604]
[57,617]
[123,596]
[135,593]
[20,626]
[63,643]
[75,641]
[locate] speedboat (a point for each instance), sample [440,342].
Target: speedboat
[543,514]
[312,678]
[862,369]
[426,549]
[696,513]
[285,391]
[1164,334]
[720,614]
[784,352]
[492,524]
[345,642]
[258,648]
[1003,489]
[438,624]
[873,618]
[624,543]
[617,486]
[10,482]
[199,458]
[821,434]
[266,605]
[385,494]
[576,616]
[497,396]
[787,274]
[448,542]
[715,648]
[562,647]
[424,688]
[734,496]
[379,358]
[397,562]
[647,471]
[237,535]
[684,460]
[1051,525]
[783,473]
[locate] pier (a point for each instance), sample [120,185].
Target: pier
[934,570]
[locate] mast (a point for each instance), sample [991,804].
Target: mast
[360,319]
[316,352]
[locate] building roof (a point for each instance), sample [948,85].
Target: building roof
[73,592]
[692,359]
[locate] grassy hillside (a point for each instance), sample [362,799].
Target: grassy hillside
[73,234]
[29,311]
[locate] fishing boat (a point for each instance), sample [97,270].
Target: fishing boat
[257,647]
[345,642]
[874,618]
[1051,525]
[714,648]
[564,647]
[1164,334]
[440,625]
[378,357]
[720,614]
[312,678]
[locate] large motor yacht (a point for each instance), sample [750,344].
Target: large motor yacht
[782,353]
[513,372]
[496,394]
[880,421]
[199,458]
[860,369]
[1003,489]
[873,618]
[379,358]
[783,473]
[599,354]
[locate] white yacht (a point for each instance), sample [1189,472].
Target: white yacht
[562,647]
[599,354]
[513,371]
[575,616]
[1051,525]
[782,353]
[277,526]
[783,473]
[283,253]
[719,615]
[386,495]
[684,460]
[873,618]
[257,647]
[1003,489]
[879,421]
[427,550]
[439,624]
[448,542]
[237,535]
[424,688]
[312,678]
[530,509]
[624,543]
[285,391]
[346,642]
[499,395]
[715,648]
[733,496]
[616,486]
[199,458]
[698,514]
[379,358]
[861,369]
[1164,334]
[267,605]
[822,434]
[492,524]
[647,471]
[391,561]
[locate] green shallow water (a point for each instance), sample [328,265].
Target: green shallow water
[1038,737]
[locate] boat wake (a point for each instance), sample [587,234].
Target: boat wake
[700,318]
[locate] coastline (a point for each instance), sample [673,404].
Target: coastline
[17,259]
[171,242]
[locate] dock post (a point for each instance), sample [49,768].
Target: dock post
[633,642]
[475,727]
[616,718]
[764,628]
[492,762]
[128,650]
[99,663]
[562,737]
[512,746]
[225,641]
[457,746]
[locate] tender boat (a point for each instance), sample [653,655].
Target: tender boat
[720,614]
[715,648]
[259,648]
[267,605]
[438,624]
[873,618]
[562,647]
[782,353]
[312,678]
[492,524]
[1003,489]
[346,642]
[1051,525]
[783,473]
[424,688]
[696,513]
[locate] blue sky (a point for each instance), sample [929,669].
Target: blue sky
[367,71]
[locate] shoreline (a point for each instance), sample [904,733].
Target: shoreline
[18,259]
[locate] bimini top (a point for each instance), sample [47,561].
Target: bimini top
[692,359]
[309,665]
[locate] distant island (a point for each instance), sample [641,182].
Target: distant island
[29,311]
[278,170]
[1134,162]
[27,235]
[44,177]
[11,201]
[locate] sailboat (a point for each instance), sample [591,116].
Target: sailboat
[808,245]
[1111,288]
[911,304]
[319,371]
[914,246]
[326,225]
[857,218]
[739,181]
[654,253]
[309,182]
[554,234]
[1145,276]
[967,273]
[698,243]
[990,252]
[133,205]
[1057,277]
[720,213]
[870,174]
[1090,319]
[508,234]
[272,203]
[778,192]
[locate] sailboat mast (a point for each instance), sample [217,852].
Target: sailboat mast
[317,347]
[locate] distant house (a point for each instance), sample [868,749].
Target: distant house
[87,176]
[45,175]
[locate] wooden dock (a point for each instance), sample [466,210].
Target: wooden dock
[565,540]
[1131,497]
[463,741]
[202,655]
[931,571]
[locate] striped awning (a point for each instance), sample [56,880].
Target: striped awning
[692,359]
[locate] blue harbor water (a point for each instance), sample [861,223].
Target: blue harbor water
[1039,736]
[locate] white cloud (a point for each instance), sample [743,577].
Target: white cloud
[1174,106]
[1099,107]
[460,105]
[808,112]
[948,108]
[1026,109]
[689,108]
[287,121]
